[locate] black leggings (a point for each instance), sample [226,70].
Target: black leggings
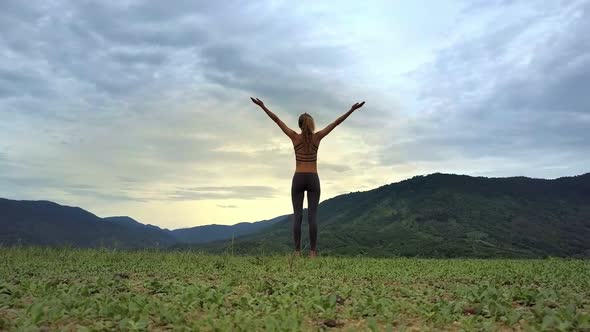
[303,181]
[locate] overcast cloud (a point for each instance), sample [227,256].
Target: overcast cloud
[142,107]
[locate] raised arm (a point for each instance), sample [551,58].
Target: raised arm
[322,133]
[288,131]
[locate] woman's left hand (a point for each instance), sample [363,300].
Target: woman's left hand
[257,102]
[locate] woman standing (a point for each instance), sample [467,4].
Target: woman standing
[306,177]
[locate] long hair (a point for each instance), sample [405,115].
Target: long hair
[307,127]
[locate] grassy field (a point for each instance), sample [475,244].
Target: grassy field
[72,289]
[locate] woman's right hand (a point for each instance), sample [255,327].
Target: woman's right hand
[356,106]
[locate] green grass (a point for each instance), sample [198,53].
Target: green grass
[72,289]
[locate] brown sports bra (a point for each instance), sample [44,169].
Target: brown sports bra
[306,156]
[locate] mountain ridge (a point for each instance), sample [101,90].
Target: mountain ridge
[43,222]
[439,214]
[447,215]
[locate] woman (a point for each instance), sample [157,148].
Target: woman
[306,177]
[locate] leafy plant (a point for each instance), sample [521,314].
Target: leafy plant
[105,289]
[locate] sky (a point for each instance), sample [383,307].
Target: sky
[142,108]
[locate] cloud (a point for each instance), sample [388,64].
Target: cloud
[111,195]
[138,42]
[22,82]
[23,186]
[128,101]
[515,92]
[339,168]
[116,62]
[224,192]
[229,206]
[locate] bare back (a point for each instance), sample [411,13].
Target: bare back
[306,156]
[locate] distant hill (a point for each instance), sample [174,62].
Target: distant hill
[208,233]
[48,223]
[445,215]
[150,233]
[51,224]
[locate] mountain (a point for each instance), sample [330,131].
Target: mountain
[130,222]
[438,215]
[51,224]
[208,233]
[445,215]
[150,233]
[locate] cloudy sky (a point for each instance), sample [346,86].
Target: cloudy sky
[142,108]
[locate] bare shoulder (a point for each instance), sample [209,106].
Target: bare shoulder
[317,138]
[298,138]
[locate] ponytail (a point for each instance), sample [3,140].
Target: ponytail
[307,128]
